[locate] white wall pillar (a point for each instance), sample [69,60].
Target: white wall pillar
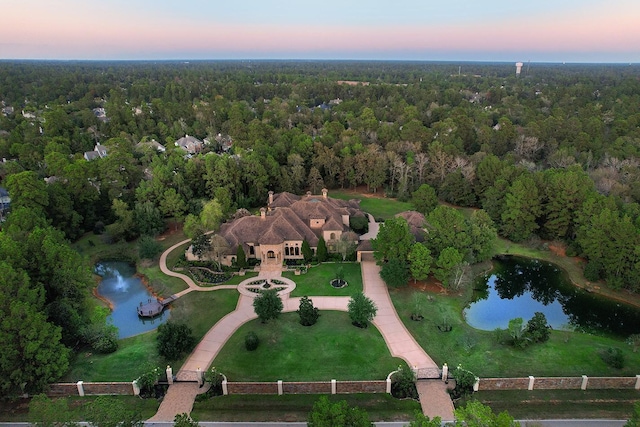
[136,388]
[637,382]
[199,374]
[531,381]
[80,386]
[225,391]
[333,387]
[585,380]
[445,372]
[476,385]
[388,385]
[169,375]
[280,391]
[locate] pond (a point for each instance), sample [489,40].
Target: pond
[518,287]
[125,292]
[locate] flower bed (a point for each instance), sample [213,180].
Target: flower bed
[204,275]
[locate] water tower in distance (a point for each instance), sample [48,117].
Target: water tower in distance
[518,68]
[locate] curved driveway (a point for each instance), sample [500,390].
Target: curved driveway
[398,339]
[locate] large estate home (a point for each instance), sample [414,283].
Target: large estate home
[277,234]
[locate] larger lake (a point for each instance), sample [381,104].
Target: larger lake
[518,287]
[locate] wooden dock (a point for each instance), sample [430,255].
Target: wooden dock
[154,307]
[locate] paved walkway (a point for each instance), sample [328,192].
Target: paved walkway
[180,397]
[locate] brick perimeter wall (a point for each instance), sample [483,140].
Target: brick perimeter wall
[62,390]
[361,387]
[556,383]
[252,388]
[611,382]
[108,388]
[323,387]
[71,389]
[306,388]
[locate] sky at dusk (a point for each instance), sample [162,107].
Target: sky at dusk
[449,30]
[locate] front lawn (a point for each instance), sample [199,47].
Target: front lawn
[331,349]
[316,282]
[296,407]
[565,354]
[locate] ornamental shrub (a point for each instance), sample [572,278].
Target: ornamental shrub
[251,341]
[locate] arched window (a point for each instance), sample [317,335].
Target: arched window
[271,254]
[297,250]
[333,236]
[286,250]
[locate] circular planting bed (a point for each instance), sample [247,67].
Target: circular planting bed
[339,283]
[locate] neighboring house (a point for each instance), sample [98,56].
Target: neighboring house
[224,142]
[190,144]
[101,114]
[277,234]
[416,223]
[5,203]
[99,151]
[152,144]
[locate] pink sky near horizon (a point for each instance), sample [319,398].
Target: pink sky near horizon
[579,35]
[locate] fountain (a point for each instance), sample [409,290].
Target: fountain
[126,292]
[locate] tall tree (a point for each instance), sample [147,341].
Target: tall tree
[32,353]
[522,209]
[420,261]
[448,259]
[447,227]
[425,199]
[393,241]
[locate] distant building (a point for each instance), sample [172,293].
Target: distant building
[98,152]
[151,144]
[190,144]
[5,203]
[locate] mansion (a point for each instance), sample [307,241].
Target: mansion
[288,220]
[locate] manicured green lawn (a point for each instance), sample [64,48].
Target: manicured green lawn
[296,408]
[126,364]
[317,280]
[558,404]
[379,207]
[162,284]
[331,349]
[565,354]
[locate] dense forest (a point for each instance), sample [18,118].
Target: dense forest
[553,153]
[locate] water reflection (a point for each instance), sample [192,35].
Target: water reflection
[518,287]
[126,292]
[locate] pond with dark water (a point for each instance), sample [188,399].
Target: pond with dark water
[518,287]
[125,291]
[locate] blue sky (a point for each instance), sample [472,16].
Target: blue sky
[493,30]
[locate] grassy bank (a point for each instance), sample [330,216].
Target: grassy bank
[288,351]
[559,404]
[317,280]
[565,354]
[199,310]
[18,411]
[296,408]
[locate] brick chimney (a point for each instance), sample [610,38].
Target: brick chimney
[325,192]
[263,213]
